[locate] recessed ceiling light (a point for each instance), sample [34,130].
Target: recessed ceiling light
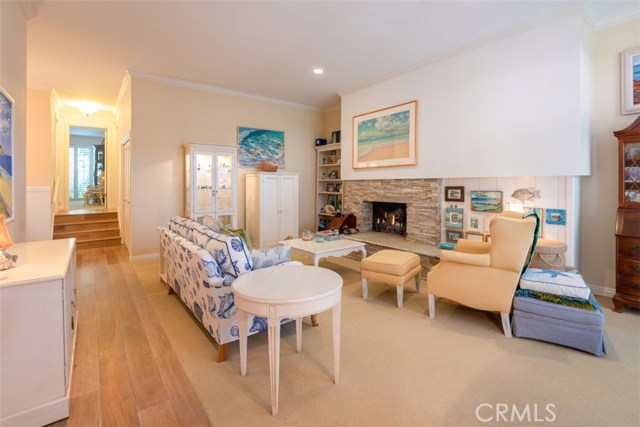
[318,70]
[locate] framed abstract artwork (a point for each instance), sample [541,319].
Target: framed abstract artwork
[385,137]
[256,145]
[453,235]
[6,155]
[486,201]
[630,79]
[453,217]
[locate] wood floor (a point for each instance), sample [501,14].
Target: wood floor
[125,371]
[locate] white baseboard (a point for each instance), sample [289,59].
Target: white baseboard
[143,258]
[602,291]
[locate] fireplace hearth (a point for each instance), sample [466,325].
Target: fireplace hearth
[389,218]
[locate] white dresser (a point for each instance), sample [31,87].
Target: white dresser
[271,211]
[37,333]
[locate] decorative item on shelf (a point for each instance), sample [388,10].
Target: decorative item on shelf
[337,187]
[330,188]
[330,209]
[266,166]
[332,201]
[321,141]
[523,194]
[335,137]
[307,235]
[333,175]
[6,260]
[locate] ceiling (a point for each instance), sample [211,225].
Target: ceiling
[267,49]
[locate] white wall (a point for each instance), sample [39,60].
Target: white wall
[166,116]
[514,107]
[13,79]
[599,192]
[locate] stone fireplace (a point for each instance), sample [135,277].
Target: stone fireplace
[421,196]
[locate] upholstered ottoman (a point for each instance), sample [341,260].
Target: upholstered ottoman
[558,307]
[391,267]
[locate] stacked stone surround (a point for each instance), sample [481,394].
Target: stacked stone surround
[422,197]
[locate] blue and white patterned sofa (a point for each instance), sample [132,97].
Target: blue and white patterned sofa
[200,265]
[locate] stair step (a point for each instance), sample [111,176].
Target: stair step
[83,226]
[83,235]
[83,217]
[98,243]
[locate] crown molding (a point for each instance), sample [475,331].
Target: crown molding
[215,89]
[598,22]
[126,81]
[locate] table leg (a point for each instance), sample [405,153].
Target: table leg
[314,317]
[274,362]
[299,334]
[336,314]
[242,324]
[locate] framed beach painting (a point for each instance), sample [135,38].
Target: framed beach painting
[454,194]
[453,217]
[486,201]
[256,145]
[6,155]
[385,137]
[630,64]
[556,217]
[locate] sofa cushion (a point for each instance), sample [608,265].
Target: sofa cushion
[555,282]
[229,252]
[182,226]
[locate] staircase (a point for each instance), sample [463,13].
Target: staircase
[91,230]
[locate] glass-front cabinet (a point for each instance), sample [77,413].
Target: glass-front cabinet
[211,177]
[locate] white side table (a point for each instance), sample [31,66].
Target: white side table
[287,291]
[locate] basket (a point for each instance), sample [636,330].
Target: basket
[266,166]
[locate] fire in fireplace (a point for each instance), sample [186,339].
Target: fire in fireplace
[390,218]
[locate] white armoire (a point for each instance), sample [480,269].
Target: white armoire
[271,211]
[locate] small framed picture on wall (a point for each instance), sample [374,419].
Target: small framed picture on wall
[454,194]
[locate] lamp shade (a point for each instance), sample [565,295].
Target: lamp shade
[5,237]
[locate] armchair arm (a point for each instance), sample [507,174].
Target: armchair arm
[473,246]
[481,260]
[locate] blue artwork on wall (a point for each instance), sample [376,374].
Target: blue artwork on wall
[556,216]
[259,144]
[6,154]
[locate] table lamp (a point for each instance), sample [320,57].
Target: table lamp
[6,261]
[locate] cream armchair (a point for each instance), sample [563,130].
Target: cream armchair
[484,275]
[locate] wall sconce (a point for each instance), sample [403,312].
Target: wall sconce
[515,206]
[6,261]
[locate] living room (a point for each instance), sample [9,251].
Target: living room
[541,108]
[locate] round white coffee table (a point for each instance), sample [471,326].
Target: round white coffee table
[287,291]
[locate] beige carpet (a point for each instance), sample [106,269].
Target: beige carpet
[399,368]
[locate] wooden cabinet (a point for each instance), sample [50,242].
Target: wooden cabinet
[271,209]
[328,183]
[628,219]
[210,182]
[37,333]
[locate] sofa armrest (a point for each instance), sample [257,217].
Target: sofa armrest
[262,258]
[473,246]
[481,260]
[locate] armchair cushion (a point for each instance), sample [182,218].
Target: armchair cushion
[473,246]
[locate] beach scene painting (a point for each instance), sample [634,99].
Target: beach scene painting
[257,145]
[6,155]
[486,201]
[631,81]
[385,137]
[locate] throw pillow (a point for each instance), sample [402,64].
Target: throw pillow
[229,252]
[555,282]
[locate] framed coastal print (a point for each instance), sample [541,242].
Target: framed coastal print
[453,235]
[386,137]
[453,217]
[256,145]
[6,155]
[476,223]
[540,212]
[454,194]
[486,201]
[556,217]
[630,79]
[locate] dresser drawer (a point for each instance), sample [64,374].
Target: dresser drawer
[629,267]
[629,248]
[628,285]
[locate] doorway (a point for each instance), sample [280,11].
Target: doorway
[86,166]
